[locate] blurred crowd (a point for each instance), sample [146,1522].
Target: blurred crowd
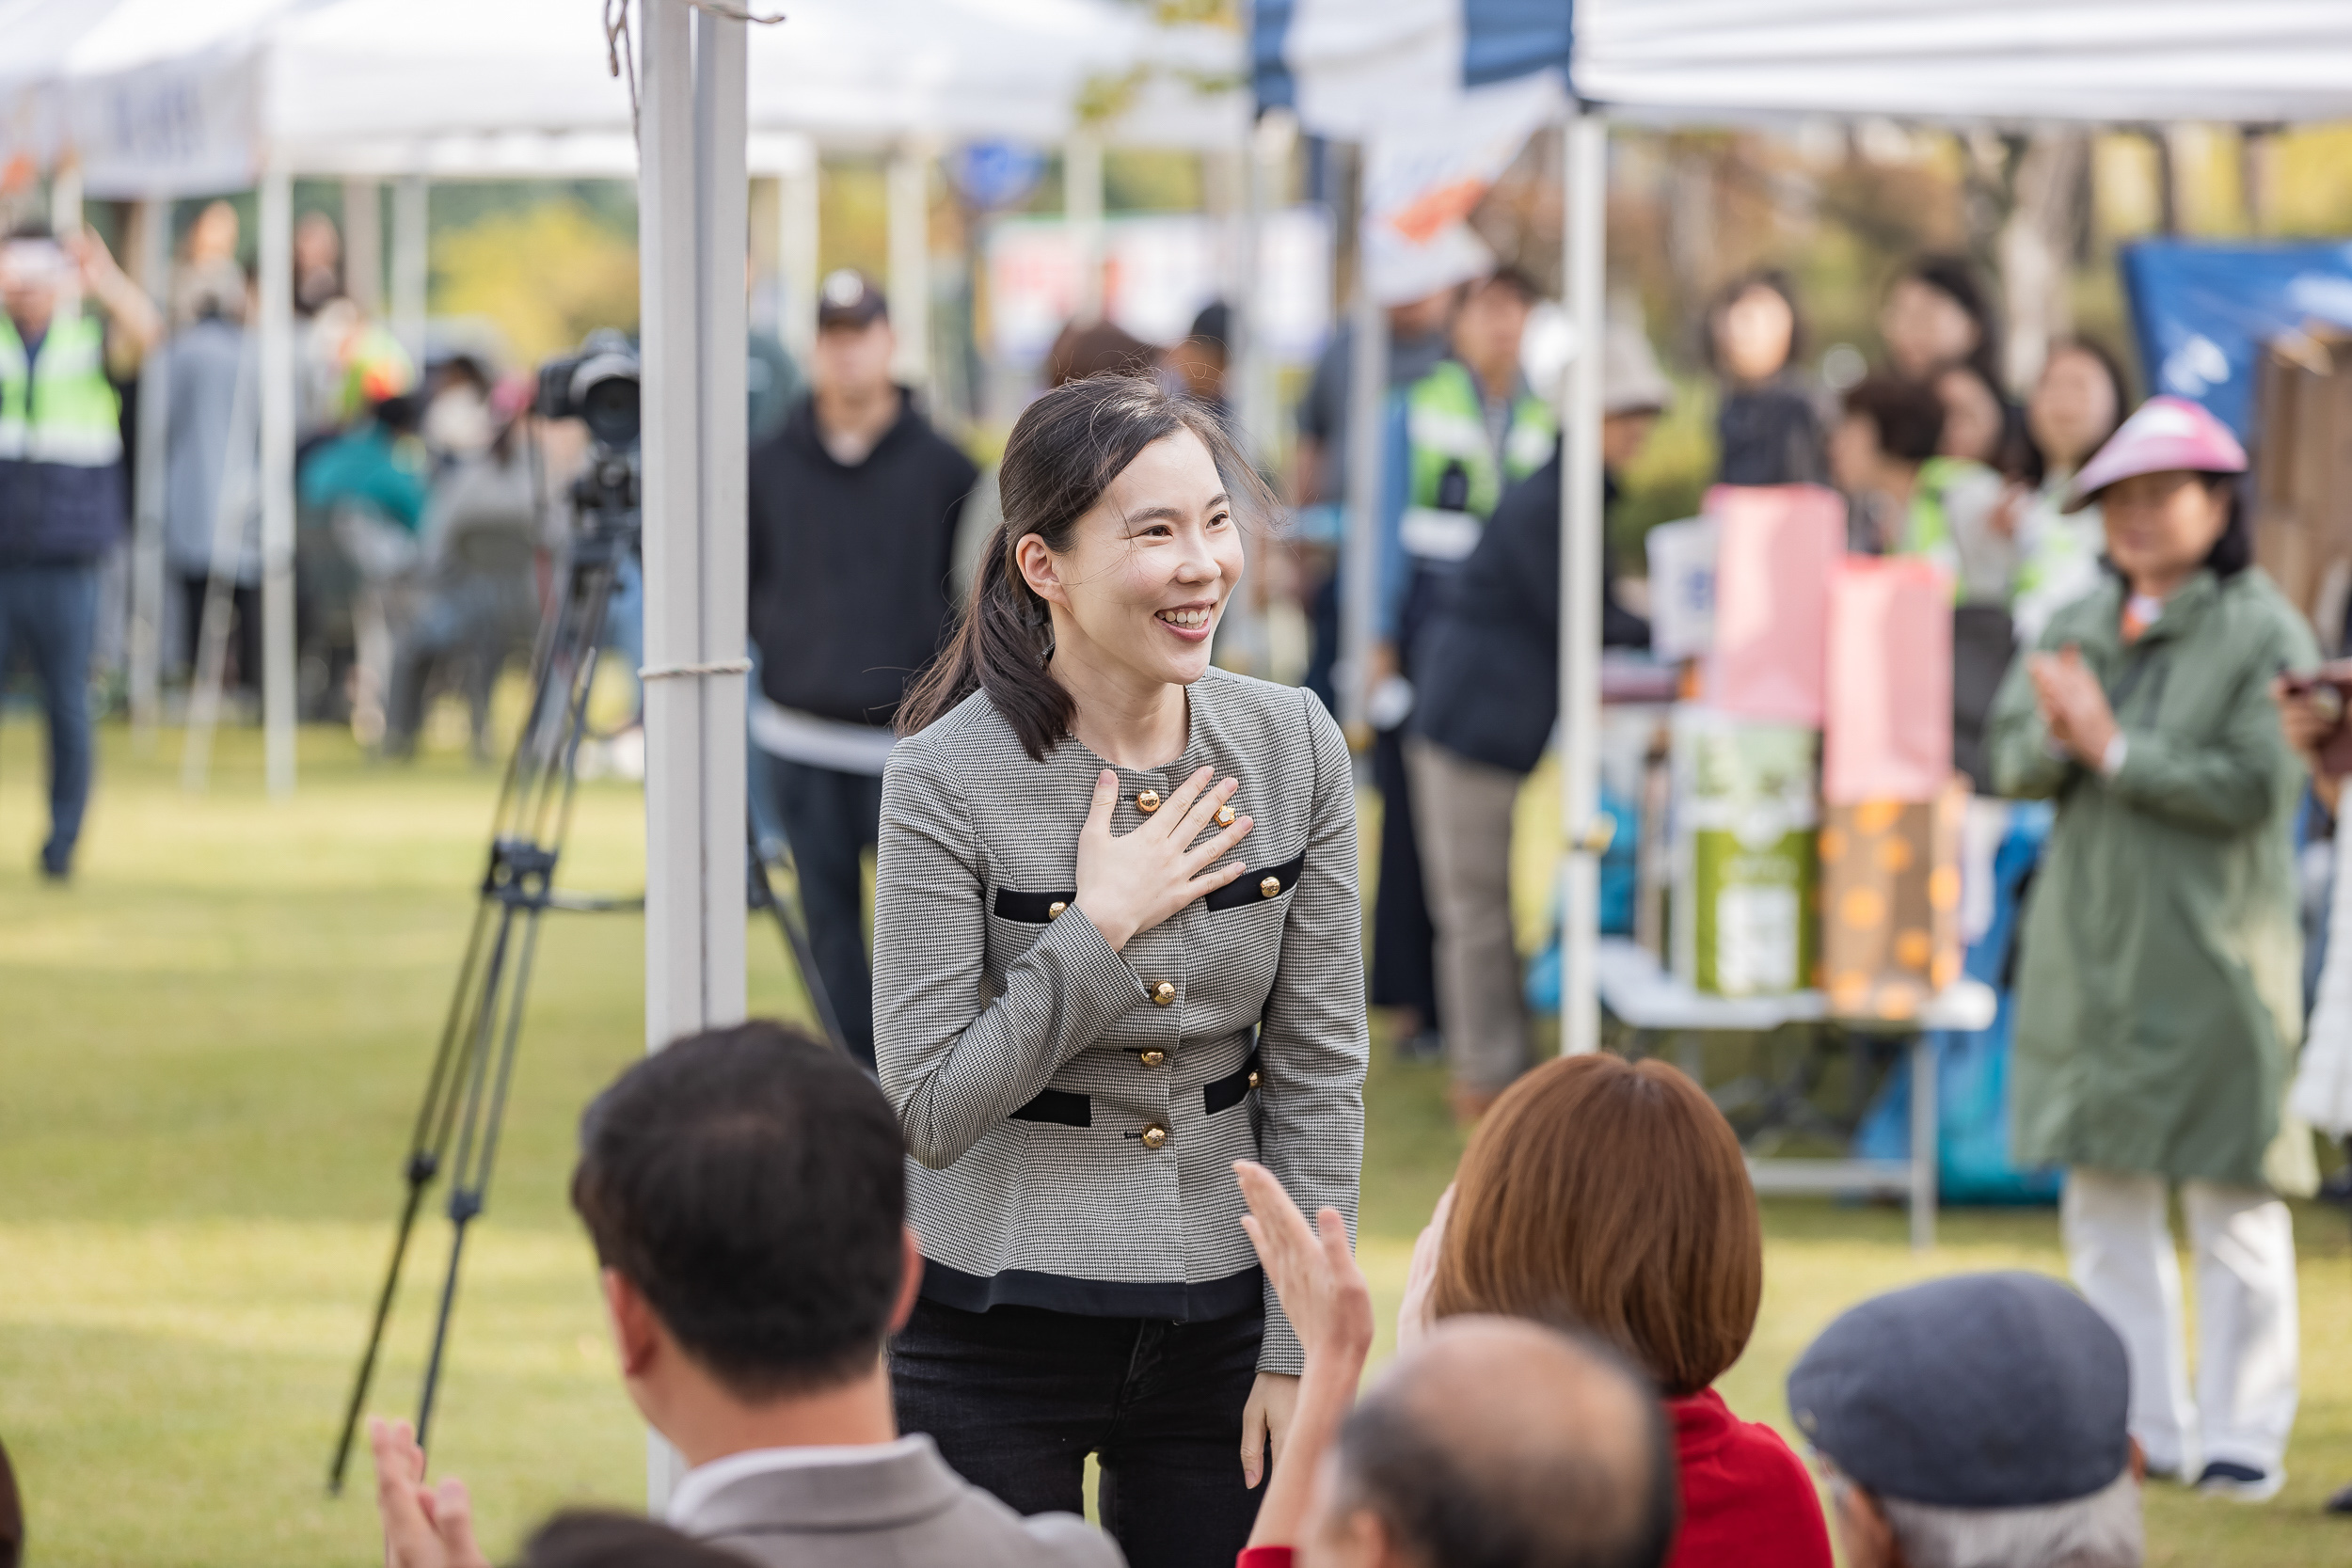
[1934,456]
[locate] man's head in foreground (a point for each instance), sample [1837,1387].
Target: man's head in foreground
[1976,1422]
[1498,1444]
[746,1192]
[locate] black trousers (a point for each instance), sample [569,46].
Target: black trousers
[243,669]
[1016,1398]
[830,819]
[1403,937]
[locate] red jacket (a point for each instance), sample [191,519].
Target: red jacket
[1746,1499]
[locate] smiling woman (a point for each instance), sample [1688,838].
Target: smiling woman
[1117,947]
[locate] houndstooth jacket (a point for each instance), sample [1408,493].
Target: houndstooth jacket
[1072,1112]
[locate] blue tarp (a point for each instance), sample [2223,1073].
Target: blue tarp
[2201,314]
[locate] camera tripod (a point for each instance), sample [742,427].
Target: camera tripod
[459,1123]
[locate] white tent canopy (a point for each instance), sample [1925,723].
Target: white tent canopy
[158,97]
[1358,72]
[2257,61]
[1352,69]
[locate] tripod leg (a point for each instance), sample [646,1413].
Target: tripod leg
[530,823]
[375,1339]
[470,1184]
[428,1143]
[440,1326]
[763,895]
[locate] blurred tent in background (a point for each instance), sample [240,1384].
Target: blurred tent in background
[155,96]
[154,100]
[1426,74]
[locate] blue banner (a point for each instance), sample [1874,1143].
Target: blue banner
[2203,314]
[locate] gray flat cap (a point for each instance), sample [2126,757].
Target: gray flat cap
[1984,1391]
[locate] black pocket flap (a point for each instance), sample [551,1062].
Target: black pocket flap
[1225,1093]
[1061,1107]
[1034,908]
[1258,885]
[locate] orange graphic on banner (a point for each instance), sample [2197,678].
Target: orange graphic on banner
[1420,219]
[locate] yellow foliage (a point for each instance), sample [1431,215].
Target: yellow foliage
[2312,179]
[544,275]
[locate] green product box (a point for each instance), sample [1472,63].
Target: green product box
[1746,810]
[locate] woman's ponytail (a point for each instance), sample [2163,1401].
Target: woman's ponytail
[1000,646]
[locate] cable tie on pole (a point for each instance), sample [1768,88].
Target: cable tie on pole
[679,671]
[736,14]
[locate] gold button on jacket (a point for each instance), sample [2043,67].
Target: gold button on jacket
[1153,1058]
[1155,1136]
[1163,993]
[1054,910]
[1147,803]
[1271,886]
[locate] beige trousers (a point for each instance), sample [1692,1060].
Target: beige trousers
[1462,812]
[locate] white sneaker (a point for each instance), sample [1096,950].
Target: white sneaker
[2240,1482]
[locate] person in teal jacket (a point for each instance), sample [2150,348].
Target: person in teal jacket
[2160,990]
[378,462]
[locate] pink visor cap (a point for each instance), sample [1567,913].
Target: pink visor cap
[2164,433]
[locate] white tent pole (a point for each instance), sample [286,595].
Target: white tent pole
[1367,423]
[65,198]
[721,217]
[278,477]
[410,259]
[1082,210]
[910,283]
[1268,153]
[1584,210]
[153,264]
[796,258]
[668,287]
[1243,353]
[363,244]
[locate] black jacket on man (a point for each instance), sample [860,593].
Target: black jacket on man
[1486,675]
[849,564]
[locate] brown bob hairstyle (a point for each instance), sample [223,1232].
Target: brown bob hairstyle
[1612,1197]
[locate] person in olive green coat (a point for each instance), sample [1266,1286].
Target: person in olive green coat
[2158,993]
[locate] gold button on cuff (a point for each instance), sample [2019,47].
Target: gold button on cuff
[1163,993]
[1147,803]
[1224,816]
[1154,1136]
[1053,910]
[1271,886]
[1153,1058]
[1253,1077]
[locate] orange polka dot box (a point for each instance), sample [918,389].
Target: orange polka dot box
[1890,904]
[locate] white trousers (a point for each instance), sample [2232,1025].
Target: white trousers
[2119,1247]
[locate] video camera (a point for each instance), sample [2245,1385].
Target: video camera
[598,387]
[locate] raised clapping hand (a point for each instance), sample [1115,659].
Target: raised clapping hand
[2074,705]
[424,1526]
[1130,882]
[1330,1306]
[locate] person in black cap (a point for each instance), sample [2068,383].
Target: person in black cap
[1976,1422]
[853,505]
[1199,362]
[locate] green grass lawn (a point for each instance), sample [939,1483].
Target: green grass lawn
[211,1047]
